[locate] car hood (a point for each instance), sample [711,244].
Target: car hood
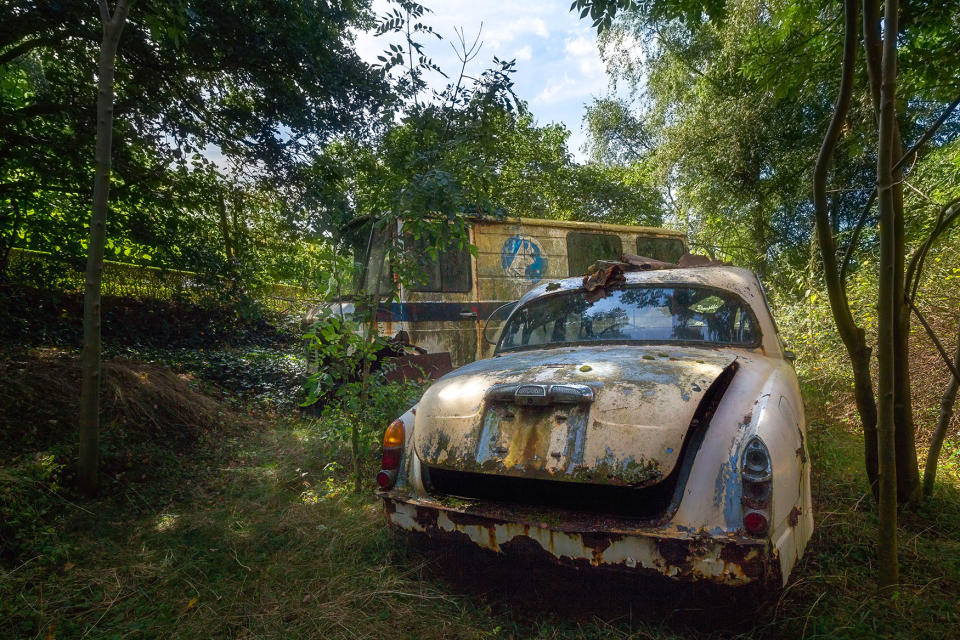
[630,433]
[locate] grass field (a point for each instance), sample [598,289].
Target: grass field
[250,531]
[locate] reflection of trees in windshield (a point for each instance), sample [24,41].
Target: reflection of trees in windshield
[652,314]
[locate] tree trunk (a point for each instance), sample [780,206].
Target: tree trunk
[8,244]
[364,400]
[908,474]
[888,304]
[225,230]
[908,466]
[372,331]
[760,241]
[90,354]
[852,335]
[943,423]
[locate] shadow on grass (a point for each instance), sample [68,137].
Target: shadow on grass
[533,594]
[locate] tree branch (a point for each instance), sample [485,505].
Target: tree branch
[931,130]
[824,159]
[936,341]
[855,239]
[872,49]
[24,47]
[948,214]
[947,400]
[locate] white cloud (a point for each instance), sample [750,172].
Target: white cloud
[523,54]
[497,34]
[584,54]
[579,46]
[558,90]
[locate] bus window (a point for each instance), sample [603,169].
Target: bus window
[373,269]
[378,266]
[448,273]
[583,249]
[664,249]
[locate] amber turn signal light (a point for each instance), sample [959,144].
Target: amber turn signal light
[394,435]
[392,452]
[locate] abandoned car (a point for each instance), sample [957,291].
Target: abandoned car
[652,423]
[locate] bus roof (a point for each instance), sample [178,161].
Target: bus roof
[583,226]
[561,224]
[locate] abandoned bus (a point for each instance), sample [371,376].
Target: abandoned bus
[446,311]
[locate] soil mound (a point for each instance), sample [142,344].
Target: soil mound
[40,395]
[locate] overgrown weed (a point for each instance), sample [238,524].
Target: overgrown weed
[256,533]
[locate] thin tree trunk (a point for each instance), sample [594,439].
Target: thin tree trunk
[8,244]
[372,331]
[90,354]
[908,474]
[760,240]
[888,304]
[908,465]
[943,423]
[225,230]
[853,336]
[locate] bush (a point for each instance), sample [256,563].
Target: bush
[386,402]
[337,350]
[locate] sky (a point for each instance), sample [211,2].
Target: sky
[558,65]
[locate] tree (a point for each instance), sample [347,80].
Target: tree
[886,412]
[257,85]
[113,23]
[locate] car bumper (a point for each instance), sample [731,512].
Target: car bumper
[590,540]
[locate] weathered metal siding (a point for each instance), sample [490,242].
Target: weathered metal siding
[498,275]
[498,278]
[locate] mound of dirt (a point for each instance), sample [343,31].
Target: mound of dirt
[40,395]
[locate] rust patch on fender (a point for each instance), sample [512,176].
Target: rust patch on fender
[468,519]
[746,559]
[675,552]
[598,540]
[426,517]
[794,517]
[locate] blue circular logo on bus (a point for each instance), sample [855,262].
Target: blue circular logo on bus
[522,258]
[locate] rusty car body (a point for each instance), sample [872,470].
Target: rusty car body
[656,427]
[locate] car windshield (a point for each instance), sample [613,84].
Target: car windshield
[660,314]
